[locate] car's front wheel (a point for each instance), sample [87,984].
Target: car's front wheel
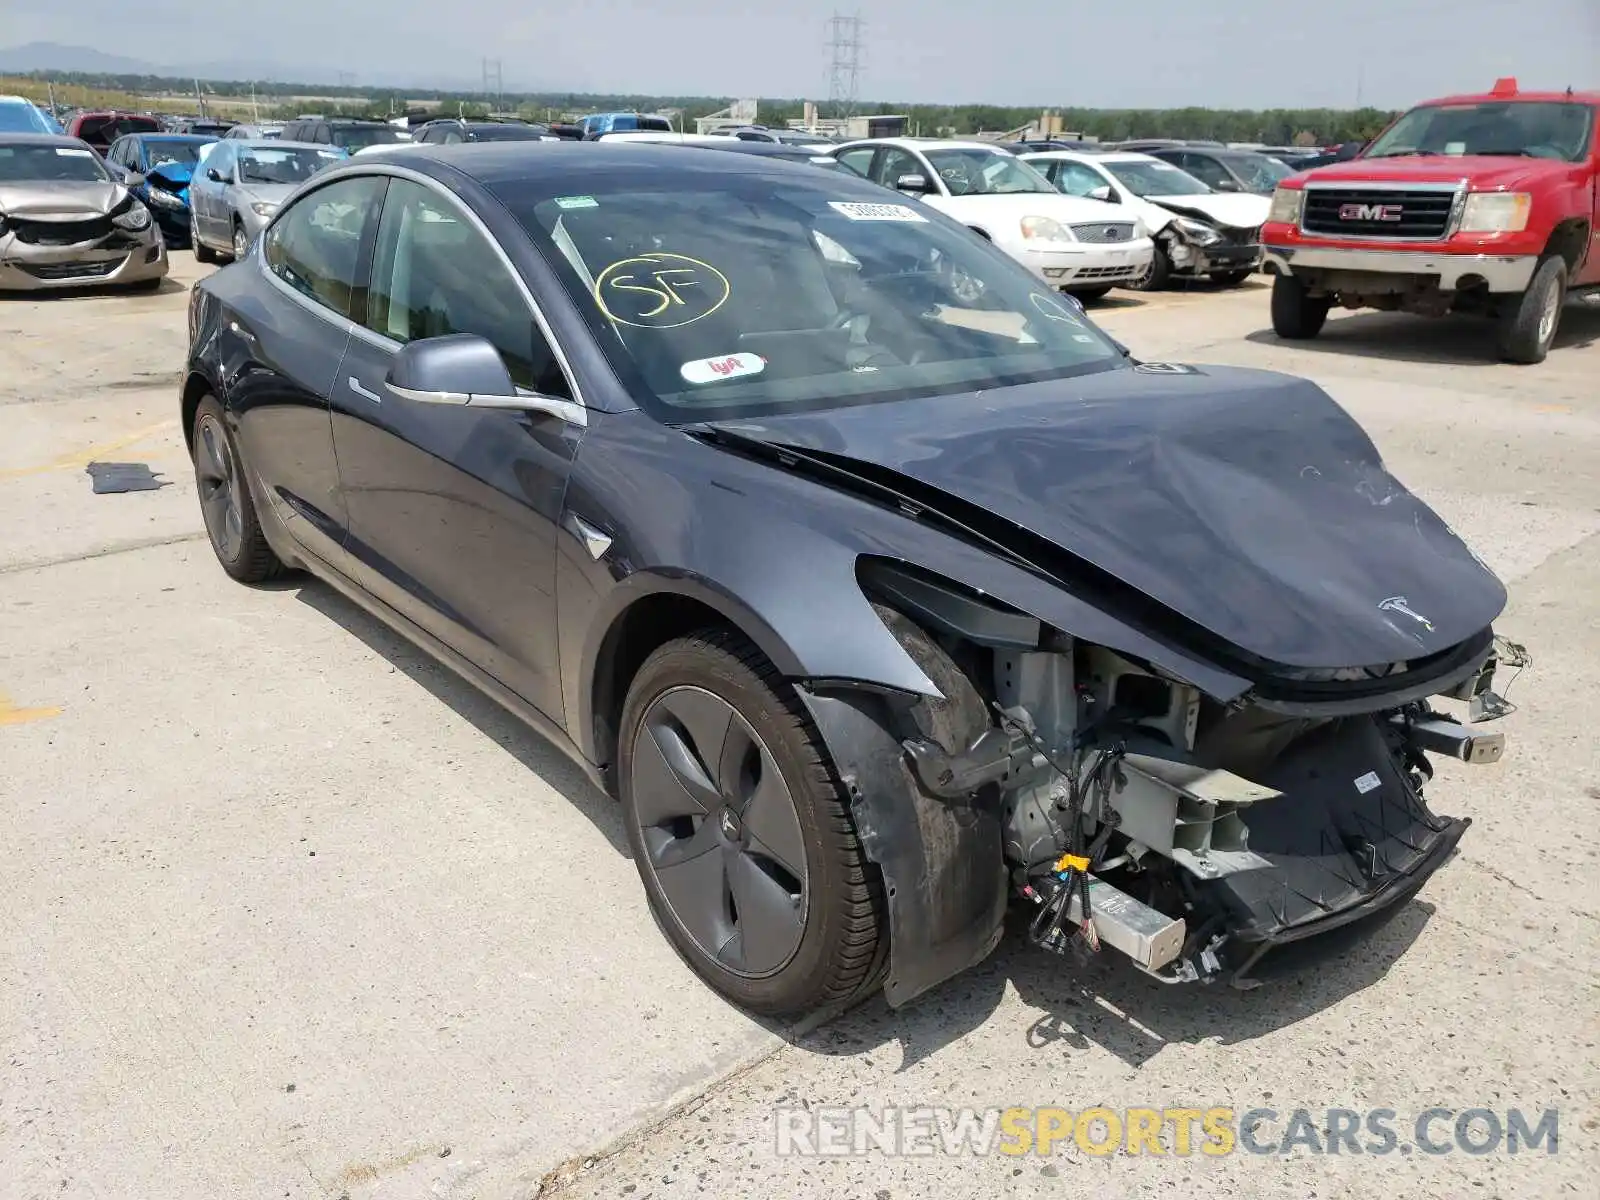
[745,845]
[225,502]
[241,241]
[1528,322]
[1295,313]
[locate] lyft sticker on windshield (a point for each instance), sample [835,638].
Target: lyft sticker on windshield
[724,366]
[858,211]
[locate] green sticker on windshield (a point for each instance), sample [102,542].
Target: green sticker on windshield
[577,202]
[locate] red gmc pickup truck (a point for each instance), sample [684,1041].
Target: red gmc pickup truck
[1482,203]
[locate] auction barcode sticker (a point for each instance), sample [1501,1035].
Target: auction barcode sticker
[858,211]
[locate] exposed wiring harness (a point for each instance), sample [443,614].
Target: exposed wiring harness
[1070,874]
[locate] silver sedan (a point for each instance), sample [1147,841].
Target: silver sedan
[239,187]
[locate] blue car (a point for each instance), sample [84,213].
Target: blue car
[164,164]
[21,115]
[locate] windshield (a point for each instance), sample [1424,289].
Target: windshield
[1533,128]
[55,164]
[986,173]
[164,153]
[107,129]
[354,137]
[23,118]
[289,166]
[1258,172]
[1156,178]
[740,295]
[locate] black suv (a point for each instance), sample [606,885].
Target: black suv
[448,131]
[349,133]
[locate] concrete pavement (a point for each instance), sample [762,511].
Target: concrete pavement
[290,911]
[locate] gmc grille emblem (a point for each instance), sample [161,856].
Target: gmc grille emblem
[1371,212]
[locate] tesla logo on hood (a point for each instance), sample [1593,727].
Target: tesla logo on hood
[1399,604]
[1371,212]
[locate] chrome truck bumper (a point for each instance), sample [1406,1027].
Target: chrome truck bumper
[1501,273]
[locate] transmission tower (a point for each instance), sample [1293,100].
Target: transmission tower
[844,72]
[492,74]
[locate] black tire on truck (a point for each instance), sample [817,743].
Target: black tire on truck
[1528,322]
[1295,314]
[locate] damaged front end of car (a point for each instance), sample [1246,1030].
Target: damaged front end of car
[1129,810]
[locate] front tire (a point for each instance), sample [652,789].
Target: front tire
[225,501]
[742,839]
[1528,322]
[1295,314]
[241,241]
[1157,277]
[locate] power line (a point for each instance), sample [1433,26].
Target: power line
[844,71]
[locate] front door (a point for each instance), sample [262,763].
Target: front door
[453,509]
[281,347]
[205,193]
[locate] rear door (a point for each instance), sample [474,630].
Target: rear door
[453,509]
[283,341]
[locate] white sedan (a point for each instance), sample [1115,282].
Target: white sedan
[1080,246]
[1198,231]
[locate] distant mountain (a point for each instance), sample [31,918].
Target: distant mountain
[51,56]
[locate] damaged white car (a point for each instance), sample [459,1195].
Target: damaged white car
[1197,231]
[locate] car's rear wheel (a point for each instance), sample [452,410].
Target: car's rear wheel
[1295,314]
[1528,322]
[225,502]
[241,241]
[202,252]
[745,845]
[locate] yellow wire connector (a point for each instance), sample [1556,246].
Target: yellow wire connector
[1072,862]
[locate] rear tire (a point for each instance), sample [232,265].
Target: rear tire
[1229,278]
[1295,314]
[1528,323]
[202,252]
[749,808]
[225,500]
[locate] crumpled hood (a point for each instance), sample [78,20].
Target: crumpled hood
[173,176]
[1231,209]
[1486,172]
[57,199]
[1247,502]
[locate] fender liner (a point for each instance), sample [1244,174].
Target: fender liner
[942,862]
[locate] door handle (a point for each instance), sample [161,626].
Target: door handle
[355,386]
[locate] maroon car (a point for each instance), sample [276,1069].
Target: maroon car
[100,129]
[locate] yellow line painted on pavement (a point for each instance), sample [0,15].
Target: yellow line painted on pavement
[10,714]
[82,458]
[1552,408]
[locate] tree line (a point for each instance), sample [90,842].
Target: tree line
[1278,126]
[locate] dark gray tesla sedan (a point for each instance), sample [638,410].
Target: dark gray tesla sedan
[878,585]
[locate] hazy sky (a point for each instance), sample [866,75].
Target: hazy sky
[1155,53]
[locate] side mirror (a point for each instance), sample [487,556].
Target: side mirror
[214,175]
[1103,192]
[916,184]
[465,370]
[1226,185]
